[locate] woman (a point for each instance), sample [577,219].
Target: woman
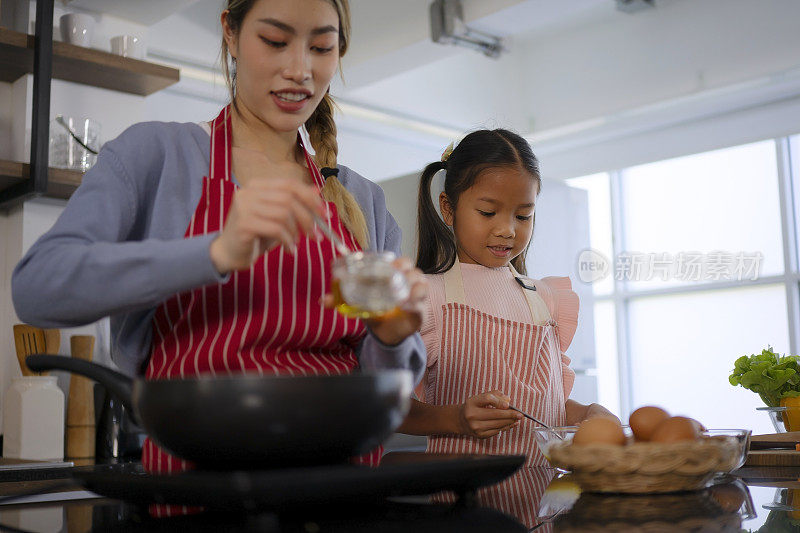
[199,240]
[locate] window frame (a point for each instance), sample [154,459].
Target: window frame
[622,295]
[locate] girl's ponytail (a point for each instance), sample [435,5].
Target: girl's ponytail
[322,133]
[436,246]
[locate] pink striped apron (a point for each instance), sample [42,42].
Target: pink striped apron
[267,319]
[481,352]
[519,496]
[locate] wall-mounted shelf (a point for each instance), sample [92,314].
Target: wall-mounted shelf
[61,183]
[84,65]
[22,54]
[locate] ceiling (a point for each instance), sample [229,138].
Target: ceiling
[379,21]
[572,65]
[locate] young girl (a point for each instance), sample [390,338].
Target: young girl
[487,327]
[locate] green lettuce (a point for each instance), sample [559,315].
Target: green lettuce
[769,375]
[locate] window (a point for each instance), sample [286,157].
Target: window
[683,345]
[605,334]
[697,277]
[723,201]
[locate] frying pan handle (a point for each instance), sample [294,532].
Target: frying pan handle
[120,385]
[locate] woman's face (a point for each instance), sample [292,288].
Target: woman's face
[287,52]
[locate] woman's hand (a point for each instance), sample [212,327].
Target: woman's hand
[486,415]
[273,206]
[264,214]
[395,327]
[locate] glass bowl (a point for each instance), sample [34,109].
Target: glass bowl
[742,438]
[545,438]
[367,284]
[785,500]
[783,418]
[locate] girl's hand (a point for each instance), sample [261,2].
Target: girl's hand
[595,409]
[394,328]
[485,415]
[578,412]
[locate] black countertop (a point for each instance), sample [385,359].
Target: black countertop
[539,499]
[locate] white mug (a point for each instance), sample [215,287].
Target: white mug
[76,28]
[128,46]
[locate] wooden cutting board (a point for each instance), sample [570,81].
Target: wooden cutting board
[773,458]
[775,440]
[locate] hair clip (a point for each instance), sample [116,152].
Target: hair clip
[327,172]
[447,152]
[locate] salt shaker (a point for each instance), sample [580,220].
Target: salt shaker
[33,419]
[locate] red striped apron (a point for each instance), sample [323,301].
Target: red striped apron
[481,352]
[266,319]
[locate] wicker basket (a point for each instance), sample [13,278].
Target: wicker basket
[646,467]
[723,524]
[650,513]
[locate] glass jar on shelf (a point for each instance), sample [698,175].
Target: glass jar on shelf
[74,143]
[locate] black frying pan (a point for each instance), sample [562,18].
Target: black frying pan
[250,421]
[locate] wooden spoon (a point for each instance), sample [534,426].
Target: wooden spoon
[52,341]
[28,341]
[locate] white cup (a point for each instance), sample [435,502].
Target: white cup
[128,46]
[76,28]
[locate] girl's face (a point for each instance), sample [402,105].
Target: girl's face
[493,219]
[287,52]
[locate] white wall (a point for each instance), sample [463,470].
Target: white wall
[6,117]
[401,201]
[10,251]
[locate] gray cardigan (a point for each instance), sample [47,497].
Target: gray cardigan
[118,249]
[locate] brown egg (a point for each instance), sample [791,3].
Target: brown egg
[675,429]
[730,497]
[599,430]
[644,421]
[700,427]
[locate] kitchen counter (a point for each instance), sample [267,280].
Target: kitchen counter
[757,499]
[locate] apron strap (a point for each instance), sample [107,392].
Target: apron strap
[219,165]
[539,311]
[454,285]
[454,292]
[316,175]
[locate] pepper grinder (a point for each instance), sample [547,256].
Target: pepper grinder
[80,406]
